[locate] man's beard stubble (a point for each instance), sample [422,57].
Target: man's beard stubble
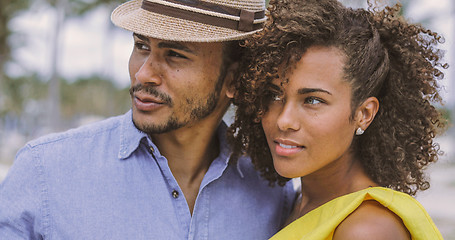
[196,113]
[197,110]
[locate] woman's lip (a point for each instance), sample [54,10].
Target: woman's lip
[284,147]
[288,142]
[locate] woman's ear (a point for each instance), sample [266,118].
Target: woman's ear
[229,80]
[366,112]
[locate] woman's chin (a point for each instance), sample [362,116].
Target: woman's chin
[287,172]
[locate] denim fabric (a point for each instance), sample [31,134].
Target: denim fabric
[109,181]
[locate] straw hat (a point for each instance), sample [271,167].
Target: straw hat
[191,20]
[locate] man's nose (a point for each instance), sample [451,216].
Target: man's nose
[150,73]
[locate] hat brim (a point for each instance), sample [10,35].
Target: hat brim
[132,17]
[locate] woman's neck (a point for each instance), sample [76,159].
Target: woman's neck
[339,178]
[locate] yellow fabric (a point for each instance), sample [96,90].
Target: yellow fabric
[322,222]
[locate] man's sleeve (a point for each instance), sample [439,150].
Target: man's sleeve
[21,198]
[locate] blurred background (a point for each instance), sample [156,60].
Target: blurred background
[63,64]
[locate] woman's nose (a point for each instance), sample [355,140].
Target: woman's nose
[287,120]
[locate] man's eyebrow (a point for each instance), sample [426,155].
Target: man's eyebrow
[142,37]
[173,45]
[312,90]
[176,45]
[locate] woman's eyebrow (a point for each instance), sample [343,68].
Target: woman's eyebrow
[312,90]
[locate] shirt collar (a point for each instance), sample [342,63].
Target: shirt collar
[131,138]
[225,150]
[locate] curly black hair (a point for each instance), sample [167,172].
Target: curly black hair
[386,57]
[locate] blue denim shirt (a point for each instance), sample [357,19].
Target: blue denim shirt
[109,181]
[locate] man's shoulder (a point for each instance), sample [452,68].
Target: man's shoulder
[92,130]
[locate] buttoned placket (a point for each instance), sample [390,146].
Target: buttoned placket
[176,194]
[201,208]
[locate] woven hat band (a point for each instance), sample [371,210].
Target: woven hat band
[237,19]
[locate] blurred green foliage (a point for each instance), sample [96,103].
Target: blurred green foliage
[93,96]
[87,96]
[8,10]
[16,91]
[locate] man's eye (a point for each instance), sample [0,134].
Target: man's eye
[176,54]
[313,100]
[141,46]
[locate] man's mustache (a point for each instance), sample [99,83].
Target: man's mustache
[151,90]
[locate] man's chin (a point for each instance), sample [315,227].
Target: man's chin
[152,126]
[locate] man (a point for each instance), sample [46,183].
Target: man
[162,170]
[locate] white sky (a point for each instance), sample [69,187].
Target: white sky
[91,45]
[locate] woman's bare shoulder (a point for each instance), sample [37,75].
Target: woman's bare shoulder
[371,221]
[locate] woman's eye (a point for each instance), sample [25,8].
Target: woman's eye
[277,98]
[313,100]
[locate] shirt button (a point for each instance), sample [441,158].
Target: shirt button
[151,149]
[175,194]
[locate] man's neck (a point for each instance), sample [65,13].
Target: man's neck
[189,151]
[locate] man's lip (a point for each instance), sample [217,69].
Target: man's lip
[148,98]
[147,103]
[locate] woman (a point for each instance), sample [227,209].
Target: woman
[342,99]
